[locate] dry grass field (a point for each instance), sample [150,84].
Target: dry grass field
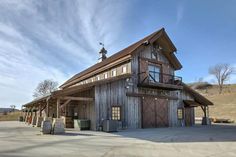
[12,116]
[224,104]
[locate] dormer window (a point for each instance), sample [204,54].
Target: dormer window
[105,75]
[98,77]
[124,69]
[113,72]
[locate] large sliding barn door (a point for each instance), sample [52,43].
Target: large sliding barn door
[149,120]
[162,113]
[154,113]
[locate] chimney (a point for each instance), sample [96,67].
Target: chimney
[102,54]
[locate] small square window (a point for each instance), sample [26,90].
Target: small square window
[116,114]
[180,114]
[124,69]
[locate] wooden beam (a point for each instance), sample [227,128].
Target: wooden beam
[65,103]
[88,86]
[78,98]
[131,94]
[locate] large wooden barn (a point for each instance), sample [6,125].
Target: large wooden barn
[137,87]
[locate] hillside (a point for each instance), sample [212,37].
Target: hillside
[224,104]
[11,116]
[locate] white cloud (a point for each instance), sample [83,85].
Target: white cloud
[180,12]
[51,39]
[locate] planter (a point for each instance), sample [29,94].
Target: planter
[82,124]
[20,119]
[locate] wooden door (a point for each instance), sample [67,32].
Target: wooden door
[148,113]
[162,113]
[154,113]
[188,116]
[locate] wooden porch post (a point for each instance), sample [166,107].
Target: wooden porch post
[47,115]
[40,111]
[58,108]
[205,113]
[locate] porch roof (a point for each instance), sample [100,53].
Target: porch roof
[37,101]
[200,99]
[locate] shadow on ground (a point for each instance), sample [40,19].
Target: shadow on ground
[198,133]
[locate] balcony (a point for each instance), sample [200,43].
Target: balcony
[159,80]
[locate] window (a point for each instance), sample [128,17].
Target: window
[105,76]
[154,55]
[115,113]
[180,114]
[154,73]
[124,69]
[113,72]
[98,78]
[91,79]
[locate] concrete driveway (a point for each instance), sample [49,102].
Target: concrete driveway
[17,139]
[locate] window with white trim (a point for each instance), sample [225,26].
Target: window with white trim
[124,69]
[113,72]
[105,75]
[98,77]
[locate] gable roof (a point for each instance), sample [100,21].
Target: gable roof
[125,52]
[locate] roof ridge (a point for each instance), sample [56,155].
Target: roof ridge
[135,44]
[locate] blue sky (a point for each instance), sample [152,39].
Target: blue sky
[55,39]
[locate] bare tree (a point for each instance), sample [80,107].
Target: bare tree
[44,88]
[222,73]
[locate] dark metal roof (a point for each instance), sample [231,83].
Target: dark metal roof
[123,53]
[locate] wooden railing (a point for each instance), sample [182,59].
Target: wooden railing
[152,77]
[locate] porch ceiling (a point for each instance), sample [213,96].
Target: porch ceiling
[191,103]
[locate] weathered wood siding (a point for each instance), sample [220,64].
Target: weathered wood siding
[175,104]
[114,94]
[83,109]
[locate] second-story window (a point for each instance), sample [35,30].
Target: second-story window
[154,73]
[124,69]
[113,72]
[105,75]
[98,77]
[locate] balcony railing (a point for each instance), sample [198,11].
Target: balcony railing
[153,78]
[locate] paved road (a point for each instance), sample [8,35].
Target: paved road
[19,140]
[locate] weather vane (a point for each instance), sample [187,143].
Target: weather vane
[101,44]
